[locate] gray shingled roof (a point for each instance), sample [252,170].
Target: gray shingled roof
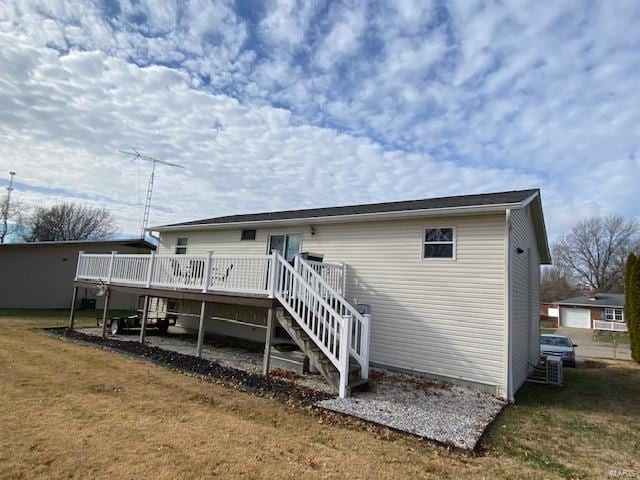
[602,300]
[424,204]
[128,242]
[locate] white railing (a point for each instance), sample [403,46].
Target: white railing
[130,268]
[321,322]
[612,326]
[93,266]
[332,273]
[359,323]
[241,274]
[247,274]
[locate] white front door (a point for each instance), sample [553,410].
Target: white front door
[576,317]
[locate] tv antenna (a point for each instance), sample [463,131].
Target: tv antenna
[154,161]
[6,208]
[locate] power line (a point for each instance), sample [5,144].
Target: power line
[154,161]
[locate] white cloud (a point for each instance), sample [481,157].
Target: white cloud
[359,101]
[344,35]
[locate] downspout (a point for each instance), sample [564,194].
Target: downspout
[508,374]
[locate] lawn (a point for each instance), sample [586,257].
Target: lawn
[621,339]
[77,412]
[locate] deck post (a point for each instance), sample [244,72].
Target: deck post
[201,330]
[365,334]
[206,277]
[145,315]
[152,261]
[105,313]
[273,272]
[345,341]
[80,253]
[73,307]
[267,344]
[111,261]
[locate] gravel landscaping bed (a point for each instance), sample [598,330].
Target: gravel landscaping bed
[228,352]
[282,388]
[448,414]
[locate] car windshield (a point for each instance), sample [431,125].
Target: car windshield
[555,341]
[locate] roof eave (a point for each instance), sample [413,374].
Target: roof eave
[541,229]
[359,217]
[599,305]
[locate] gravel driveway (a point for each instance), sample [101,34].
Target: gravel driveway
[446,413]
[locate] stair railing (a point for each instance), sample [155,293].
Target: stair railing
[360,324]
[329,330]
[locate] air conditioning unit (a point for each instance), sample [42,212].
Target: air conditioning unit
[549,372]
[554,372]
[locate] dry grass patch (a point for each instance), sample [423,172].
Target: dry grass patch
[70,411]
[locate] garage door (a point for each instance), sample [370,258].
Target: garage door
[576,317]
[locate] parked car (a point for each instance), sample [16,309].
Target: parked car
[560,345]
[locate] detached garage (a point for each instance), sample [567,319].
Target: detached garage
[575,317]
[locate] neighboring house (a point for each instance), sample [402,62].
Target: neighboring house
[597,311]
[37,274]
[447,287]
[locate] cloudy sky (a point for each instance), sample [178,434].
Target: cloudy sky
[278,105]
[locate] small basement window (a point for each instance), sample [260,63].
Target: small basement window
[248,235]
[439,243]
[181,246]
[613,315]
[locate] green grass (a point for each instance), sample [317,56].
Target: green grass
[44,318]
[589,424]
[547,330]
[622,339]
[55,395]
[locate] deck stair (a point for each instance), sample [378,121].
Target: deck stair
[317,358]
[333,334]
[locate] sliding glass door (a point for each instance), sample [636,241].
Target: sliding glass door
[287,245]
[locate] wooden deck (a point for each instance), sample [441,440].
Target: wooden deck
[225,297]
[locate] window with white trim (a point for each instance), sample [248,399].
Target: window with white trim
[181,246]
[439,243]
[613,315]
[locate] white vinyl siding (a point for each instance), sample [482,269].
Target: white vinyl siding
[525,296]
[442,318]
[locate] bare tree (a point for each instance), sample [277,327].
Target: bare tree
[10,216]
[595,251]
[67,221]
[556,284]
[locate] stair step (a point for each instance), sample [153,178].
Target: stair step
[316,355]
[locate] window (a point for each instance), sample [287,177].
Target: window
[248,235]
[613,315]
[439,243]
[181,246]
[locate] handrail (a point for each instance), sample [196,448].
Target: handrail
[359,344]
[287,292]
[234,273]
[332,272]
